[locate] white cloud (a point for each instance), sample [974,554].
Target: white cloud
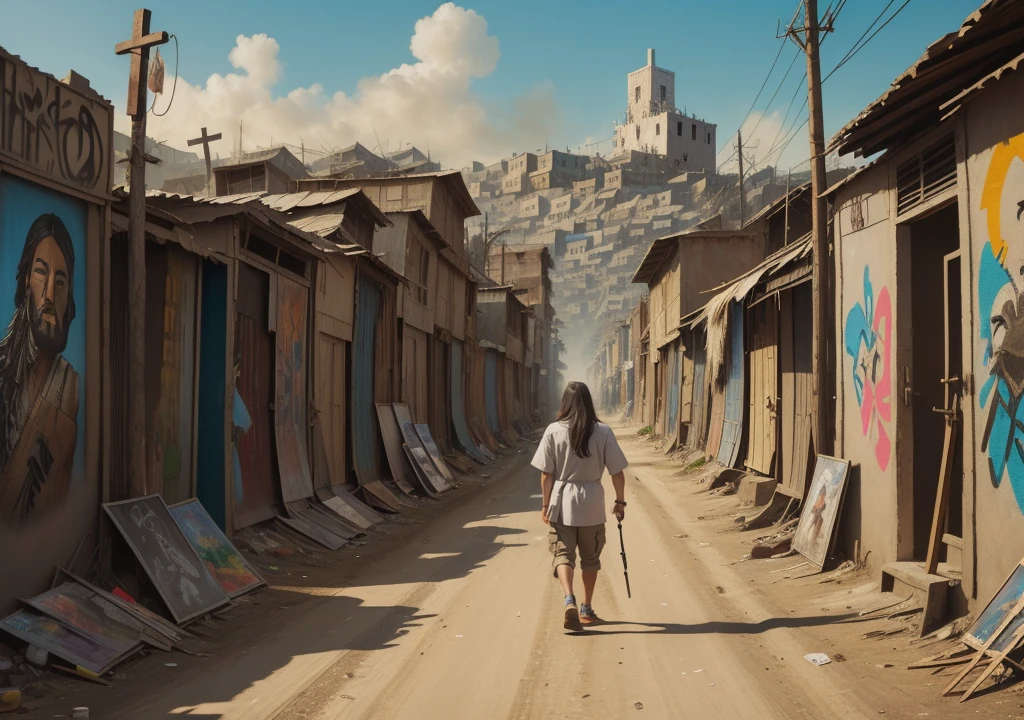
[429,103]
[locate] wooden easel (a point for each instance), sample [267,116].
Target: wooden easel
[931,564]
[983,654]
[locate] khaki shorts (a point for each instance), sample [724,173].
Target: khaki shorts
[564,540]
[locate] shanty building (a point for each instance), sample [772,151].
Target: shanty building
[269,171]
[676,290]
[500,329]
[444,201]
[54,199]
[528,267]
[348,221]
[928,254]
[258,337]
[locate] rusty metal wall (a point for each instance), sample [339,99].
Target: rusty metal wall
[291,407]
[254,350]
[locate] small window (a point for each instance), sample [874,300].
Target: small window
[693,132]
[664,93]
[637,132]
[709,138]
[636,94]
[679,129]
[259,246]
[291,263]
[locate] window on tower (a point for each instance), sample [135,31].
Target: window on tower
[693,131]
[638,132]
[636,94]
[664,93]
[657,128]
[679,129]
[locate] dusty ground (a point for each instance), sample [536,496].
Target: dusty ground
[453,613]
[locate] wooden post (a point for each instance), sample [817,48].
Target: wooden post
[739,152]
[205,141]
[138,47]
[819,273]
[942,494]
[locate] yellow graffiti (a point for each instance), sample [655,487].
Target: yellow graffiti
[991,195]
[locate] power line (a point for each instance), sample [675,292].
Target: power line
[850,55]
[782,47]
[775,94]
[859,45]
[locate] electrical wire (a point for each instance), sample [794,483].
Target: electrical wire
[881,27]
[859,45]
[775,94]
[177,55]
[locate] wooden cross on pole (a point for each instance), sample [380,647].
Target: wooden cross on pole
[205,141]
[138,46]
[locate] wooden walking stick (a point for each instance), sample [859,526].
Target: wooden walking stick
[625,568]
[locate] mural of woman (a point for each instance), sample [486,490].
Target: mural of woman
[38,387]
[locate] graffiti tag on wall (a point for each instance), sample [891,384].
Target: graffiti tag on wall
[1001,302]
[53,129]
[869,344]
[42,349]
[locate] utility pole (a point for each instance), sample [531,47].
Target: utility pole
[138,47]
[739,152]
[205,141]
[819,222]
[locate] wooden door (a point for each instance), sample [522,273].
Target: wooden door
[763,398]
[256,491]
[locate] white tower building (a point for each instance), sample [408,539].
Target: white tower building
[655,125]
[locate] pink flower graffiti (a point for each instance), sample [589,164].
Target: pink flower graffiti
[868,336]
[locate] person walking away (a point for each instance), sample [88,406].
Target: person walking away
[574,452]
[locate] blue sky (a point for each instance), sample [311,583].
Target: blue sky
[562,65]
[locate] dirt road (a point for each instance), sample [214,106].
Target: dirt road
[463,620]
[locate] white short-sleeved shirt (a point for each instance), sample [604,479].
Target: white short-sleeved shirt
[577,499]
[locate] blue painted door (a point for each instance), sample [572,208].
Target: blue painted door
[732,432]
[699,417]
[462,435]
[364,411]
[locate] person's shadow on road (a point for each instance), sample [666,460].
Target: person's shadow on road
[625,627]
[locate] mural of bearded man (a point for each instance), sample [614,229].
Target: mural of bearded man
[38,387]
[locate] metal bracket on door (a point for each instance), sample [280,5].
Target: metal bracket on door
[908,391]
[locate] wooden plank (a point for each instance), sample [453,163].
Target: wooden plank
[1010,617]
[942,494]
[996,662]
[953,541]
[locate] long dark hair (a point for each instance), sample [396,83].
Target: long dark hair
[578,411]
[48,225]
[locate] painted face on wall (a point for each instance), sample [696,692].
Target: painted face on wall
[1001,300]
[49,287]
[868,343]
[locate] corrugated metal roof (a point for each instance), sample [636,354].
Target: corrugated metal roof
[987,40]
[955,103]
